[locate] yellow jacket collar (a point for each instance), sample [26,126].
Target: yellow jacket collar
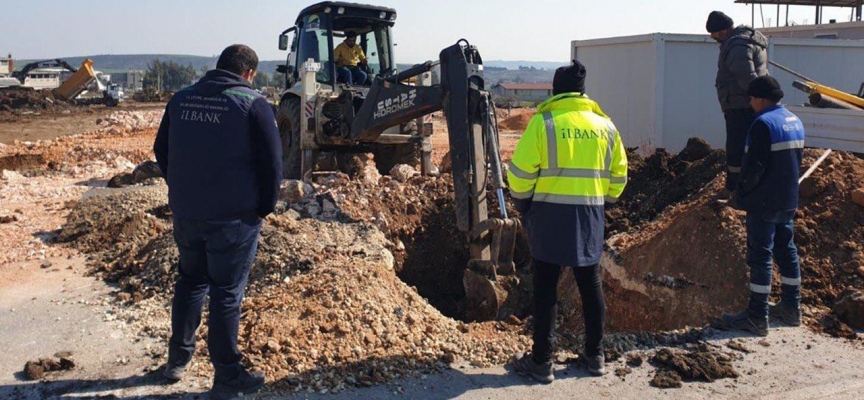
[571,101]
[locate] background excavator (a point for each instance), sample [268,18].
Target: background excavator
[318,115]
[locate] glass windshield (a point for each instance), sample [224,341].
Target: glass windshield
[377,47]
[313,44]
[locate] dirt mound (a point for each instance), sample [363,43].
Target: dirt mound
[324,306]
[829,232]
[356,324]
[21,162]
[516,122]
[23,99]
[660,180]
[699,364]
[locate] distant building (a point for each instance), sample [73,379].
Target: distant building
[524,91]
[6,66]
[130,80]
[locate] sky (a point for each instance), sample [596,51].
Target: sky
[532,30]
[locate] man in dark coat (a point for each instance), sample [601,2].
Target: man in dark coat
[743,58]
[219,150]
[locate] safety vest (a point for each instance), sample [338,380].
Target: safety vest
[571,153]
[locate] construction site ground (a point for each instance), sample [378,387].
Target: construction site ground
[355,292]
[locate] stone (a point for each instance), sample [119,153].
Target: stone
[850,308]
[292,191]
[403,172]
[858,197]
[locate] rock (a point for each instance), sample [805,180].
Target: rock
[696,149]
[293,191]
[146,170]
[858,197]
[5,219]
[811,187]
[273,346]
[447,164]
[45,265]
[403,172]
[850,308]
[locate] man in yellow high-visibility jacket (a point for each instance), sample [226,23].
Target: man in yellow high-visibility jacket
[569,162]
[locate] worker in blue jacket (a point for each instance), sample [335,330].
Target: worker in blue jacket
[768,191]
[220,152]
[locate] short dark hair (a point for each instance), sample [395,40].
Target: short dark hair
[350,34]
[238,58]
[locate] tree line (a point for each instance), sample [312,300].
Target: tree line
[172,76]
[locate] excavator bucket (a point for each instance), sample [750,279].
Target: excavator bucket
[484,295]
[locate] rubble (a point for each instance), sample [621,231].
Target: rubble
[129,122]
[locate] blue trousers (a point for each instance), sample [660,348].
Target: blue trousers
[769,239]
[351,75]
[215,257]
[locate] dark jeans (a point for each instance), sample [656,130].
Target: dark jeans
[215,256]
[351,75]
[546,307]
[770,235]
[738,123]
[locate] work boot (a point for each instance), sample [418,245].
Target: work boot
[525,365]
[173,372]
[595,364]
[742,321]
[788,315]
[244,383]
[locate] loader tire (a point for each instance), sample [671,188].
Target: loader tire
[288,119]
[386,157]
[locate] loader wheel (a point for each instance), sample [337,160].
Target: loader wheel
[386,157]
[288,119]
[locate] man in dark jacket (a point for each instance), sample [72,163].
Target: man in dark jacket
[768,191]
[743,57]
[219,150]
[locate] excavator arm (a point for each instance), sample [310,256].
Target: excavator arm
[475,157]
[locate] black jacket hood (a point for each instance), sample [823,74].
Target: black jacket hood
[216,81]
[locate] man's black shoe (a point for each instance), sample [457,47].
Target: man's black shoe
[525,365]
[173,372]
[244,383]
[787,314]
[742,321]
[595,365]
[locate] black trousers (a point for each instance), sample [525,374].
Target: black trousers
[738,123]
[546,307]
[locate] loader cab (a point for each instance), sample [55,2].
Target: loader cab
[321,27]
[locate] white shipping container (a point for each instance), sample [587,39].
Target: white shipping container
[659,88]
